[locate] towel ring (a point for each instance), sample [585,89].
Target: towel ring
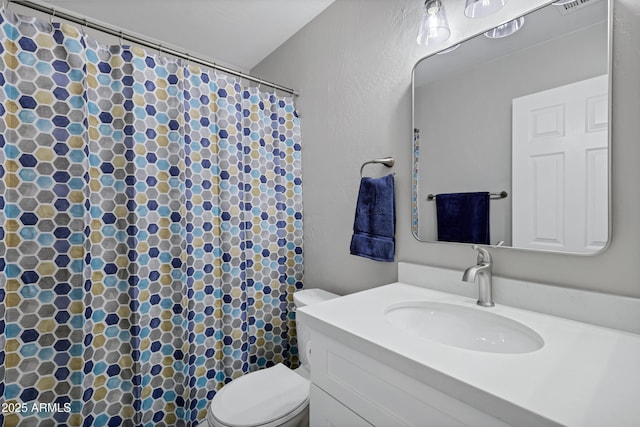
[387,161]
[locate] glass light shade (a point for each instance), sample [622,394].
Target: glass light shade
[434,28]
[482,8]
[505,30]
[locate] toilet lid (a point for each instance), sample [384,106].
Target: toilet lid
[260,397]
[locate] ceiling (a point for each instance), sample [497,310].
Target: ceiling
[235,33]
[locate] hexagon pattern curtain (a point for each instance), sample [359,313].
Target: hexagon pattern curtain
[151,231]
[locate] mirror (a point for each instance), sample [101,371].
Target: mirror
[525,119]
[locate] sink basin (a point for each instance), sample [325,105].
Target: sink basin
[464,327]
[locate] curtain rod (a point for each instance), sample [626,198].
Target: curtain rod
[113,31]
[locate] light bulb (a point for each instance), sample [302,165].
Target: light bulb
[482,8]
[434,28]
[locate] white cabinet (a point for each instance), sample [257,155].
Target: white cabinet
[376,394]
[326,412]
[391,377]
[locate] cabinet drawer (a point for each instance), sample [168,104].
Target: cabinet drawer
[327,412]
[383,396]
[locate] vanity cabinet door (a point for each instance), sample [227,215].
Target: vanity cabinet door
[326,411]
[384,396]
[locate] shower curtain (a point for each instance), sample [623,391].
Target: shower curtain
[151,231]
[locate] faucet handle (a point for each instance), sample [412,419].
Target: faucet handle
[483,255]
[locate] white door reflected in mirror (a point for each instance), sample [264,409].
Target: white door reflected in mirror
[560,133]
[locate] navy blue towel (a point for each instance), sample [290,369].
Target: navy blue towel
[463,217]
[375,222]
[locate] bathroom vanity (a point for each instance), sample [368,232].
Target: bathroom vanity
[376,360]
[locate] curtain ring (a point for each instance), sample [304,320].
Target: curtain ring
[84,27]
[120,38]
[51,16]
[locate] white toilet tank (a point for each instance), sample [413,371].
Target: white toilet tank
[302,298]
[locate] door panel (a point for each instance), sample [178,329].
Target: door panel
[560,168]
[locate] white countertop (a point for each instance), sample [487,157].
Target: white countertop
[584,375]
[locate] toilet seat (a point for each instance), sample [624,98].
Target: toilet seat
[268,397]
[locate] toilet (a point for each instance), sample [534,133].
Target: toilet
[275,396]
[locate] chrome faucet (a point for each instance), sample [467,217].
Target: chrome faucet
[481,271]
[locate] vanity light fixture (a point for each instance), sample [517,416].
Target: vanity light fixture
[562,2]
[505,30]
[434,28]
[482,8]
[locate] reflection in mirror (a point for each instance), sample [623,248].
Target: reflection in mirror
[524,116]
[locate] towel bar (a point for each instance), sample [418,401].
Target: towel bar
[387,161]
[500,195]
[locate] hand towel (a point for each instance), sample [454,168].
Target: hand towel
[463,217]
[374,224]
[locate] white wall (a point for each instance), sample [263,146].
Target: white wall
[352,66]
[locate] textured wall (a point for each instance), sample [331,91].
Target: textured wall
[352,66]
